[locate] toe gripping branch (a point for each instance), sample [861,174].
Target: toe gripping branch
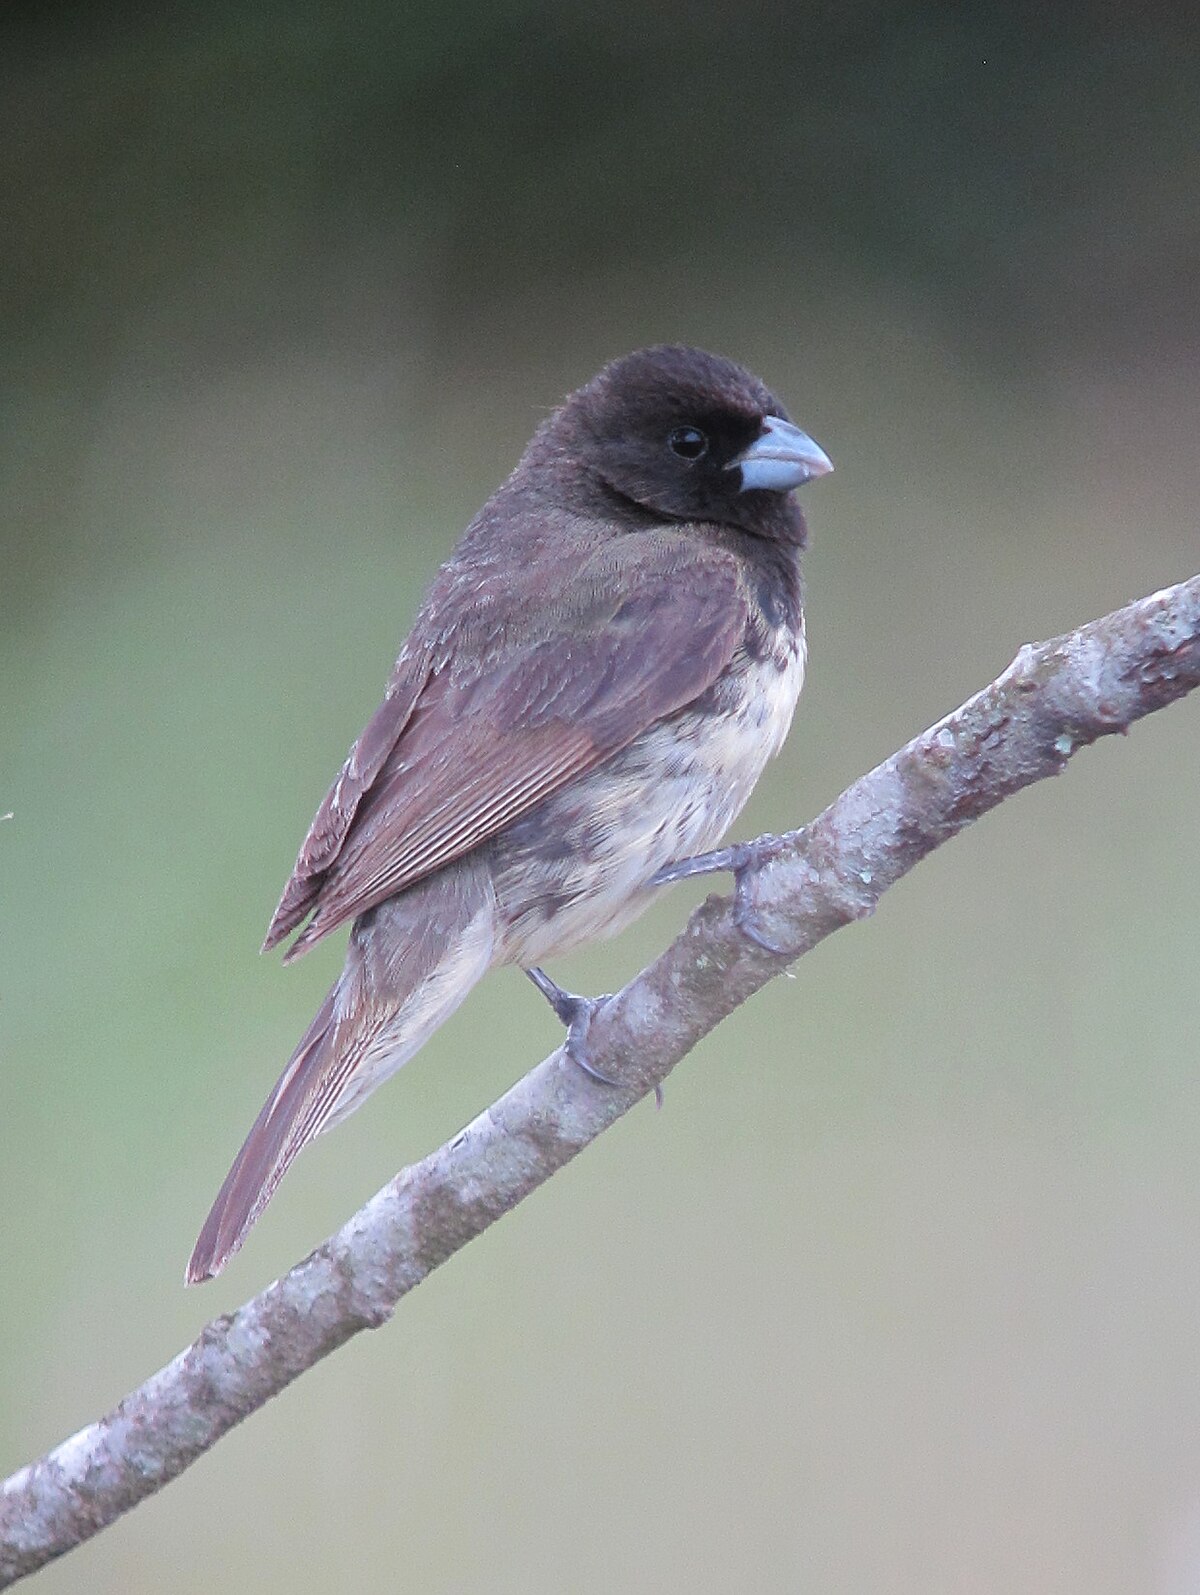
[743,860]
[577,1014]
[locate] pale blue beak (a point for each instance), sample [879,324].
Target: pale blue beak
[780,459]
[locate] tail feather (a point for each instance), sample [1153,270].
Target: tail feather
[274,1140]
[409,965]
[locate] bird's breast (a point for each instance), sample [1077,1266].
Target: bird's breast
[743,721]
[577,866]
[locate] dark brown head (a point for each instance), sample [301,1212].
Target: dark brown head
[686,435]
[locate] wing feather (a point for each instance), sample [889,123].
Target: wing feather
[478,728]
[335,816]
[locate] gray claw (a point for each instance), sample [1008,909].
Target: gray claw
[577,1014]
[742,860]
[702,864]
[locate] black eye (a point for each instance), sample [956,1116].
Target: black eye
[688,442]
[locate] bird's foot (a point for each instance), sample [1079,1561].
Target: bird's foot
[743,860]
[577,1014]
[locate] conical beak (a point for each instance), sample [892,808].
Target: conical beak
[781,458]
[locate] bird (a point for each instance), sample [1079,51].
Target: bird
[592,687]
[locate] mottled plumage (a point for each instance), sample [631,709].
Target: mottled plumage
[590,691]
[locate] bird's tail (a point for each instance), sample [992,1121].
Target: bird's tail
[409,964]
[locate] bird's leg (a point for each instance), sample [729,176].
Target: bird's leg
[577,1014]
[742,860]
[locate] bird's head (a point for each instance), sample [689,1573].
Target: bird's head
[691,436]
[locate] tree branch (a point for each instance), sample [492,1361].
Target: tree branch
[1052,700]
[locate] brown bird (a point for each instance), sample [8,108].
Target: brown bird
[592,688]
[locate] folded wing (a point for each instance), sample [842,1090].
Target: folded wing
[480,724]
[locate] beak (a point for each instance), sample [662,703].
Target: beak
[781,459]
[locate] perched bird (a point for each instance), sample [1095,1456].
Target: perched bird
[592,687]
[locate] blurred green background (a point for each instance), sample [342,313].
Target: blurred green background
[899,1294]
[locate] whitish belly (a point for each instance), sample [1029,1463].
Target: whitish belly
[576,868]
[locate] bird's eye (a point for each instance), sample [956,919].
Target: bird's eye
[688,442]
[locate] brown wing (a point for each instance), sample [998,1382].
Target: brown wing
[340,804]
[497,723]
